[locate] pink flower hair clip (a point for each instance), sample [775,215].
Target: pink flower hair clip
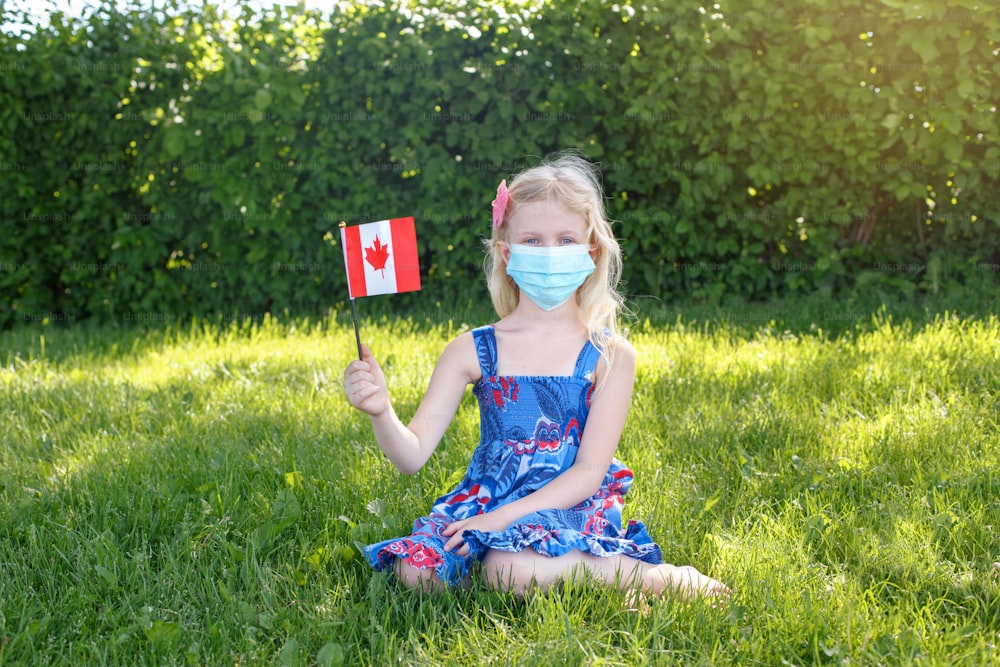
[500,204]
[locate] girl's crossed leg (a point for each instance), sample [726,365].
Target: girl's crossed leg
[521,572]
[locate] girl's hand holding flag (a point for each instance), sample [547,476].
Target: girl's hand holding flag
[365,385]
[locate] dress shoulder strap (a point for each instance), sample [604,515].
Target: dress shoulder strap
[486,349]
[587,361]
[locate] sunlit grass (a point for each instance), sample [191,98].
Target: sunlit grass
[198,494]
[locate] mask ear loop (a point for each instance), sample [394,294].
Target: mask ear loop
[500,251]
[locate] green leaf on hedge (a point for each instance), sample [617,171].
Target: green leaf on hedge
[235,135]
[892,121]
[925,49]
[965,43]
[262,99]
[173,141]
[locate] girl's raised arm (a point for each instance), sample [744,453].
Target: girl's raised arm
[409,446]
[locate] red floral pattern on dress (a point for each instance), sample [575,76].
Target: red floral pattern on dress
[504,390]
[419,554]
[476,492]
[522,447]
[548,435]
[424,557]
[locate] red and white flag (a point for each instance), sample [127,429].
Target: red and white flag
[381,257]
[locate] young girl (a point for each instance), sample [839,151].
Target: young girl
[542,497]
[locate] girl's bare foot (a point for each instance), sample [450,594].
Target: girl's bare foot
[685,580]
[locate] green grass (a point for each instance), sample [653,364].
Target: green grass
[196,495]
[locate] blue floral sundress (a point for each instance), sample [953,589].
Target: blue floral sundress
[530,430]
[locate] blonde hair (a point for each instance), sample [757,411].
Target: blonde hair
[572,182]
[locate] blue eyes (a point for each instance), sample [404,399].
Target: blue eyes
[562,241]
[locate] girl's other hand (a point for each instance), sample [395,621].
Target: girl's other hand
[365,384]
[488,522]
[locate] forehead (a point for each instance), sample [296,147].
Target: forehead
[546,216]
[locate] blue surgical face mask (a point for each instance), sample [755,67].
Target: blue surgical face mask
[549,276]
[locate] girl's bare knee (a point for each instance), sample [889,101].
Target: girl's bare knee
[414,577]
[506,571]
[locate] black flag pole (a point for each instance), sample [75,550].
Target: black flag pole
[354,310]
[354,316]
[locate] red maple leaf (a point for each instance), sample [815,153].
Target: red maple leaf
[377,255]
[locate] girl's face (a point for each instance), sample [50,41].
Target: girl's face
[544,224]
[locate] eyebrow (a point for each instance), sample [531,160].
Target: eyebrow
[564,232]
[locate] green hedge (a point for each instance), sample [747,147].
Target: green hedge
[181,162]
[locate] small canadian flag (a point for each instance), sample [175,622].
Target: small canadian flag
[381,257]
